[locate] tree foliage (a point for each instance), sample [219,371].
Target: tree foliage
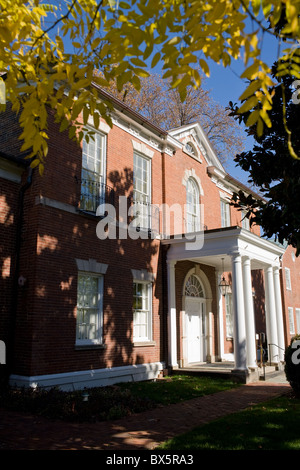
[162,105]
[272,169]
[124,39]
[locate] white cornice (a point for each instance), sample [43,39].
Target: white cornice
[135,129]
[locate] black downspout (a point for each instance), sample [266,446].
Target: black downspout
[10,350]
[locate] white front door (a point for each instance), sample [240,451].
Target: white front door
[195,329]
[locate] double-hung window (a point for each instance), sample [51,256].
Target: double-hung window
[193,206]
[298,319]
[245,220]
[89,309]
[141,191]
[225,214]
[142,311]
[93,172]
[291,320]
[288,279]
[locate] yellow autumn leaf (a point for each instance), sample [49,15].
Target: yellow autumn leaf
[250,90]
[253,117]
[250,103]
[124,40]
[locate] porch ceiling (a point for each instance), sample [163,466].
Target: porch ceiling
[211,246]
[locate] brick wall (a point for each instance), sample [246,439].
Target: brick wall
[52,239]
[291,294]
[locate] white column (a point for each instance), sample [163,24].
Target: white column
[239,313]
[271,316]
[279,315]
[249,314]
[172,337]
[220,317]
[210,357]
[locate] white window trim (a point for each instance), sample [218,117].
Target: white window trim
[224,215]
[288,283]
[245,221]
[149,314]
[191,217]
[99,340]
[297,310]
[148,195]
[142,149]
[101,176]
[192,174]
[291,320]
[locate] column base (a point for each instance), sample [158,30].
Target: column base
[245,376]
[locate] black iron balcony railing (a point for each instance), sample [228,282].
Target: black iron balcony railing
[145,217]
[94,194]
[141,216]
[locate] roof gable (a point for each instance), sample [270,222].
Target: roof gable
[195,134]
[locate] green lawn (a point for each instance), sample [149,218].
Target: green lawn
[178,388]
[273,425]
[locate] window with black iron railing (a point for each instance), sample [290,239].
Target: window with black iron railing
[145,215]
[94,193]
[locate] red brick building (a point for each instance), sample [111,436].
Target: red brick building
[111,263]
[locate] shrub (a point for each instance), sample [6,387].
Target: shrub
[104,403]
[292,365]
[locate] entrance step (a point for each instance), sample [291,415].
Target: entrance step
[272,374]
[226,370]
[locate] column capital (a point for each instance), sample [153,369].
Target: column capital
[171,262]
[271,268]
[235,254]
[246,260]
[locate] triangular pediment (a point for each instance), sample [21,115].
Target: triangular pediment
[195,142]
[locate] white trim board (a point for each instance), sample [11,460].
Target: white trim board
[90,378]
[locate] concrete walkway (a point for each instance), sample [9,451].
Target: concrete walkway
[137,432]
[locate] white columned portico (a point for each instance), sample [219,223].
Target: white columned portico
[239,313]
[271,315]
[249,314]
[238,246]
[279,317]
[172,329]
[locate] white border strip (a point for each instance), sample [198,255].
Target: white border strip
[90,378]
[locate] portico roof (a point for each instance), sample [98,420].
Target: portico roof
[209,247]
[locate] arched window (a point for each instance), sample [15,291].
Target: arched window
[193,206]
[190,148]
[193,287]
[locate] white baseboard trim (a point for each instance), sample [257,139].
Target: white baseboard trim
[90,378]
